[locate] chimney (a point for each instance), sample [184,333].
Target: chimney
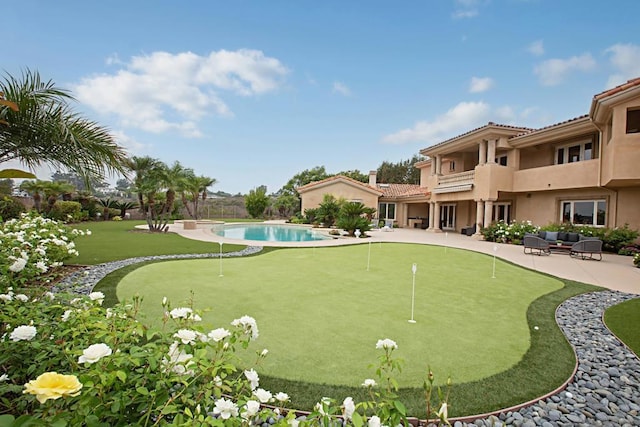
[372,178]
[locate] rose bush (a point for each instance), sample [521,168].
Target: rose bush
[31,246]
[68,360]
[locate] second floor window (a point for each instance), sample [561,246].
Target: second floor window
[633,120]
[576,152]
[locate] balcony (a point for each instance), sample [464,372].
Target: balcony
[455,182]
[557,177]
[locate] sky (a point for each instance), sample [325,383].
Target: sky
[253,92]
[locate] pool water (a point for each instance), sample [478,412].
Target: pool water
[268,233]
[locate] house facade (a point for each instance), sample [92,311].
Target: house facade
[405,205]
[584,170]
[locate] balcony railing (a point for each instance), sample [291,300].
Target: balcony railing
[455,182]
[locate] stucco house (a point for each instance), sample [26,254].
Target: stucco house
[585,170]
[403,204]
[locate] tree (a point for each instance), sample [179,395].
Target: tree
[53,190]
[194,189]
[402,172]
[305,177]
[39,127]
[35,188]
[257,201]
[286,205]
[351,218]
[327,212]
[355,174]
[6,186]
[77,181]
[142,168]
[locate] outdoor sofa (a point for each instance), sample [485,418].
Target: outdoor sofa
[578,245]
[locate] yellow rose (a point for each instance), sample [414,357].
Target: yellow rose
[52,385]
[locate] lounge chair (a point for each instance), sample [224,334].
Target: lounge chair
[535,245]
[587,249]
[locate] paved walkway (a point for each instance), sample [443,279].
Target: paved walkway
[615,272]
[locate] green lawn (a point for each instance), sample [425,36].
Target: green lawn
[624,320]
[320,313]
[116,240]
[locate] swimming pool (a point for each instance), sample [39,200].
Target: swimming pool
[268,232]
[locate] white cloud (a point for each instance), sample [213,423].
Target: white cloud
[536,48]
[465,9]
[553,71]
[130,144]
[459,119]
[625,58]
[341,88]
[163,91]
[480,84]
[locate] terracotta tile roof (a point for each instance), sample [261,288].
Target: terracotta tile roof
[402,190]
[520,128]
[629,84]
[550,126]
[337,178]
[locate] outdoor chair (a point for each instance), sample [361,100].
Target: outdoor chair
[388,225]
[587,249]
[535,245]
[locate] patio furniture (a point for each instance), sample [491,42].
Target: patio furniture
[587,249]
[468,231]
[535,245]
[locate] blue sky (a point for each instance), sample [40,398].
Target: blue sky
[251,93]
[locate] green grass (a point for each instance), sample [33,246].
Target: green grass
[477,329]
[116,240]
[624,321]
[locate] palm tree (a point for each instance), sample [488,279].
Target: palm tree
[38,127]
[194,189]
[52,190]
[141,167]
[34,188]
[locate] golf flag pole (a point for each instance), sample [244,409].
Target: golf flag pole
[369,256]
[414,268]
[221,275]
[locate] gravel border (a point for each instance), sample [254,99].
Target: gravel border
[605,390]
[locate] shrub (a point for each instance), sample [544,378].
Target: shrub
[351,218]
[65,211]
[616,238]
[636,260]
[116,218]
[118,371]
[508,232]
[31,247]
[10,208]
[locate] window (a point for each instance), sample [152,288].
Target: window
[452,166]
[502,211]
[387,211]
[633,121]
[576,152]
[447,217]
[502,160]
[584,212]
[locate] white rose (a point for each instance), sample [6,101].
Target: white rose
[186,336]
[23,333]
[94,352]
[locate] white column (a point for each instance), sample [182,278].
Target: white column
[436,216]
[438,164]
[431,214]
[491,151]
[479,215]
[488,210]
[482,152]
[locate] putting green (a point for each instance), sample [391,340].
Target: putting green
[320,312]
